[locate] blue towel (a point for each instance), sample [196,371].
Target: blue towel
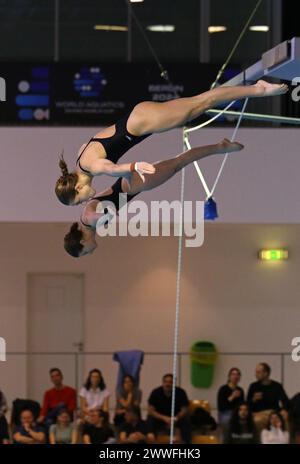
[130,363]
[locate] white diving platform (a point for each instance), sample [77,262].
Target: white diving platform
[282,62]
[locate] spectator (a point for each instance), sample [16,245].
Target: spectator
[241,429]
[294,417]
[98,431]
[3,404]
[28,433]
[94,394]
[134,429]
[19,405]
[159,410]
[230,396]
[202,421]
[275,433]
[4,436]
[57,398]
[128,396]
[63,432]
[266,395]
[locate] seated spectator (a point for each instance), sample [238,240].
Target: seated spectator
[275,433]
[3,404]
[63,432]
[294,416]
[28,433]
[94,394]
[159,410]
[4,436]
[230,396]
[202,421]
[241,428]
[265,396]
[19,405]
[98,431]
[128,396]
[57,398]
[134,429]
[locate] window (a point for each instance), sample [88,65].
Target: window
[234,17]
[182,44]
[80,40]
[26,29]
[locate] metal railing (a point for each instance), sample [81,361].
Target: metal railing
[75,366]
[79,356]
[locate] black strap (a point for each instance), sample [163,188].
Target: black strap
[78,159]
[86,225]
[99,139]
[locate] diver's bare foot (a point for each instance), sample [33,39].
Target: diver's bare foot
[229,147]
[265,89]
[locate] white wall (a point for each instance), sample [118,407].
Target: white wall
[228,296]
[259,185]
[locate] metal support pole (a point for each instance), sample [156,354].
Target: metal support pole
[282,369]
[56,30]
[275,12]
[257,117]
[129,33]
[204,48]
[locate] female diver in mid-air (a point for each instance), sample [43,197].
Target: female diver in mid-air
[81,241]
[102,152]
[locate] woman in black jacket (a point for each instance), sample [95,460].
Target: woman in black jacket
[230,396]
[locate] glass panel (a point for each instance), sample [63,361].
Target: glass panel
[80,40]
[233,14]
[180,45]
[26,29]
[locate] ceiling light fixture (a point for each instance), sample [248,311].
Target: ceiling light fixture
[107,27]
[259,28]
[161,28]
[213,29]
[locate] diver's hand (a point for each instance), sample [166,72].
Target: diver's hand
[142,168]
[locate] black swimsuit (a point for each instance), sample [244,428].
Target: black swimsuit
[116,145]
[112,197]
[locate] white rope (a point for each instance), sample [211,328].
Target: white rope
[177,311]
[209,192]
[232,140]
[199,172]
[188,145]
[241,114]
[209,121]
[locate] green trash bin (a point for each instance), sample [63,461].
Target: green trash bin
[203,356]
